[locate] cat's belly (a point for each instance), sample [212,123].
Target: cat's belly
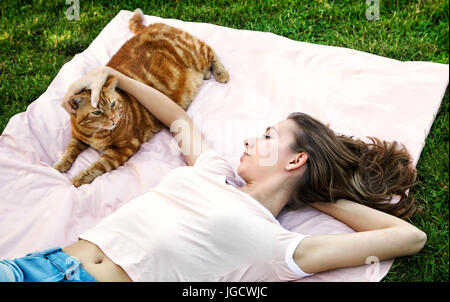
[96,148]
[91,143]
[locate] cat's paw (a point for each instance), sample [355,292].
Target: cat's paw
[222,76]
[62,166]
[80,180]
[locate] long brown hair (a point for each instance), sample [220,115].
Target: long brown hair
[344,167]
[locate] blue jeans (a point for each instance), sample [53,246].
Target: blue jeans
[52,265]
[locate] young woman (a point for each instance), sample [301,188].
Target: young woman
[197,226]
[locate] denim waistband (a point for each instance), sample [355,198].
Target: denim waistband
[68,265]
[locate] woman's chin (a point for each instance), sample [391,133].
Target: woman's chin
[241,173]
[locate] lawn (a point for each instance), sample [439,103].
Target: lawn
[36,39]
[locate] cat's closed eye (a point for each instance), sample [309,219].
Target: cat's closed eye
[98,112]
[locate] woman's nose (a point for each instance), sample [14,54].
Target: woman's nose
[249,143]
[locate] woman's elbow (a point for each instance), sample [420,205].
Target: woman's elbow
[418,240]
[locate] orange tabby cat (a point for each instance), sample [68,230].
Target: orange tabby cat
[161,56]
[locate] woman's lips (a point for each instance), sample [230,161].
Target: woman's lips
[243,155]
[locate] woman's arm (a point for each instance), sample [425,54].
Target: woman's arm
[186,134]
[377,234]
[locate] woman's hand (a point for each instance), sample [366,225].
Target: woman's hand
[94,81]
[379,236]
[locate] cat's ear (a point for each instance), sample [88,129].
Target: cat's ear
[75,101]
[111,83]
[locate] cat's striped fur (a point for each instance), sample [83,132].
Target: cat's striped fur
[161,56]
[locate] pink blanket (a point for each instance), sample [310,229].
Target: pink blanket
[357,93]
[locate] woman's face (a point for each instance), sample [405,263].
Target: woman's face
[269,153]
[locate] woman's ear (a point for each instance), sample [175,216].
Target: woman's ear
[297,161]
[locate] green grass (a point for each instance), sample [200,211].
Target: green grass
[36,39]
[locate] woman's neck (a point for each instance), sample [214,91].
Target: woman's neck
[273,193]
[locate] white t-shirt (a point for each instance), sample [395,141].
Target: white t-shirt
[194,226]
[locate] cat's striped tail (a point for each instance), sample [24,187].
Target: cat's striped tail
[135,23]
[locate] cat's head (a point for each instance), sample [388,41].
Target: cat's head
[108,112]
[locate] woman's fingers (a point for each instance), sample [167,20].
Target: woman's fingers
[65,102]
[93,81]
[68,108]
[97,82]
[95,92]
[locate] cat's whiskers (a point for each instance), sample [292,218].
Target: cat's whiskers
[121,117]
[98,129]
